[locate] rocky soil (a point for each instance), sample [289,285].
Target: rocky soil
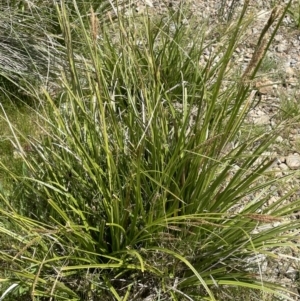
[277,89]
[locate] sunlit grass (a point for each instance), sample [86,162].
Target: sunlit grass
[23,118]
[130,192]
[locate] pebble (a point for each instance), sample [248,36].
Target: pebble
[281,48]
[272,200]
[17,154]
[265,87]
[295,137]
[277,172]
[262,120]
[291,273]
[283,167]
[278,38]
[293,162]
[290,71]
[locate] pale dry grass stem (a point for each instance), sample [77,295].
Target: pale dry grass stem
[94,21]
[265,218]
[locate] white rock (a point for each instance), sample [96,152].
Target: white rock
[281,48]
[282,159]
[283,167]
[148,3]
[272,200]
[277,172]
[259,112]
[278,38]
[273,123]
[293,162]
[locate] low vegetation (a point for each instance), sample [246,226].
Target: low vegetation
[124,187]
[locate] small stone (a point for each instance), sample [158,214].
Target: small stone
[295,43]
[148,3]
[279,139]
[290,71]
[291,273]
[273,188]
[278,38]
[281,48]
[295,137]
[273,123]
[293,81]
[259,112]
[272,200]
[185,21]
[282,159]
[293,162]
[287,20]
[265,87]
[293,131]
[276,162]
[262,120]
[276,224]
[17,154]
[277,172]
[283,167]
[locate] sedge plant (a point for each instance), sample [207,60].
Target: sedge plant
[129,192]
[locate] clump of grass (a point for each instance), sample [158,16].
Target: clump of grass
[269,67]
[289,109]
[227,9]
[25,59]
[130,193]
[21,117]
[294,13]
[32,49]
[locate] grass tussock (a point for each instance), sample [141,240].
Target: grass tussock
[129,190]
